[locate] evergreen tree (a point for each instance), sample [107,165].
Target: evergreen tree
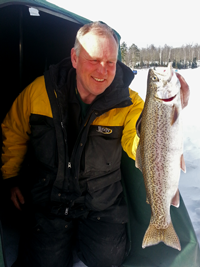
[134,55]
[194,63]
[124,51]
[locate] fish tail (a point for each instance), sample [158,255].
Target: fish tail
[154,236]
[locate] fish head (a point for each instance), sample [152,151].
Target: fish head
[163,85]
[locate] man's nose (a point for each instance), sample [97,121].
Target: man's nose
[102,68]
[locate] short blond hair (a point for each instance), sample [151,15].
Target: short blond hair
[98,28]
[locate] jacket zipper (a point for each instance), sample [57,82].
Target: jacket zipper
[78,139]
[69,165]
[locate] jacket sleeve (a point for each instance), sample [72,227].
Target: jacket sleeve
[15,134]
[130,139]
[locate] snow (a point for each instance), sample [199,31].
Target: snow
[189,185]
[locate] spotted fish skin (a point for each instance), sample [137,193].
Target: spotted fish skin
[159,154]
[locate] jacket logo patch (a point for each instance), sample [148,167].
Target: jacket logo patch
[104,130]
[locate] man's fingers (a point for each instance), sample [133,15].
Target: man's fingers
[16,203]
[185,91]
[17,197]
[20,197]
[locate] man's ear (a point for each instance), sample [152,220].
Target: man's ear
[73,58]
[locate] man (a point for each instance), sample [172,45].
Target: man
[68,128]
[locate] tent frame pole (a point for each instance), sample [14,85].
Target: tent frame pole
[20,47]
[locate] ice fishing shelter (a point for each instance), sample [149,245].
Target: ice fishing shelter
[33,35]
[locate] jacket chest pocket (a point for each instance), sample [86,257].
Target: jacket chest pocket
[43,139]
[103,149]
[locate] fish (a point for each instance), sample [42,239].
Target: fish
[159,155]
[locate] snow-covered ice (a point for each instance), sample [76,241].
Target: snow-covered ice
[190,181]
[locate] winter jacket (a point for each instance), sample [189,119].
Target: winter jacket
[40,127]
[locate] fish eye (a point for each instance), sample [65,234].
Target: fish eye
[155,78]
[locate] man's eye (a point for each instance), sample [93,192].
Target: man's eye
[94,61]
[112,63]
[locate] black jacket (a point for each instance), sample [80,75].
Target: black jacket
[92,168]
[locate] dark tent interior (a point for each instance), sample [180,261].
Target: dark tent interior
[29,44]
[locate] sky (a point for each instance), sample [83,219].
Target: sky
[143,22]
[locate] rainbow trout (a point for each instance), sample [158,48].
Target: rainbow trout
[160,154]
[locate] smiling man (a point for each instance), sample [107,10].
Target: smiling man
[61,155]
[94,57]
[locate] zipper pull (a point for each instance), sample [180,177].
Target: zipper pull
[66,211]
[69,165]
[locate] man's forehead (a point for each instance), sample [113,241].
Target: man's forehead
[91,42]
[94,37]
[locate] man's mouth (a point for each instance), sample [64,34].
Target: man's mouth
[98,80]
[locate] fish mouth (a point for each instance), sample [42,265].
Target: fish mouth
[166,99]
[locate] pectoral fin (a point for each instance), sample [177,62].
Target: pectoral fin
[175,114]
[183,167]
[176,199]
[147,201]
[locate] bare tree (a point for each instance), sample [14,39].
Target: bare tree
[182,57]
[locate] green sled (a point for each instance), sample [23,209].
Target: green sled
[139,212]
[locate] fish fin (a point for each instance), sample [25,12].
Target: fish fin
[176,199]
[138,161]
[153,236]
[170,70]
[147,200]
[138,124]
[183,167]
[175,114]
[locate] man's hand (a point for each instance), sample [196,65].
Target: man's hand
[185,91]
[17,197]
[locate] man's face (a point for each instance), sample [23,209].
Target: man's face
[95,65]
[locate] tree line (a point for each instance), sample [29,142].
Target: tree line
[183,57]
